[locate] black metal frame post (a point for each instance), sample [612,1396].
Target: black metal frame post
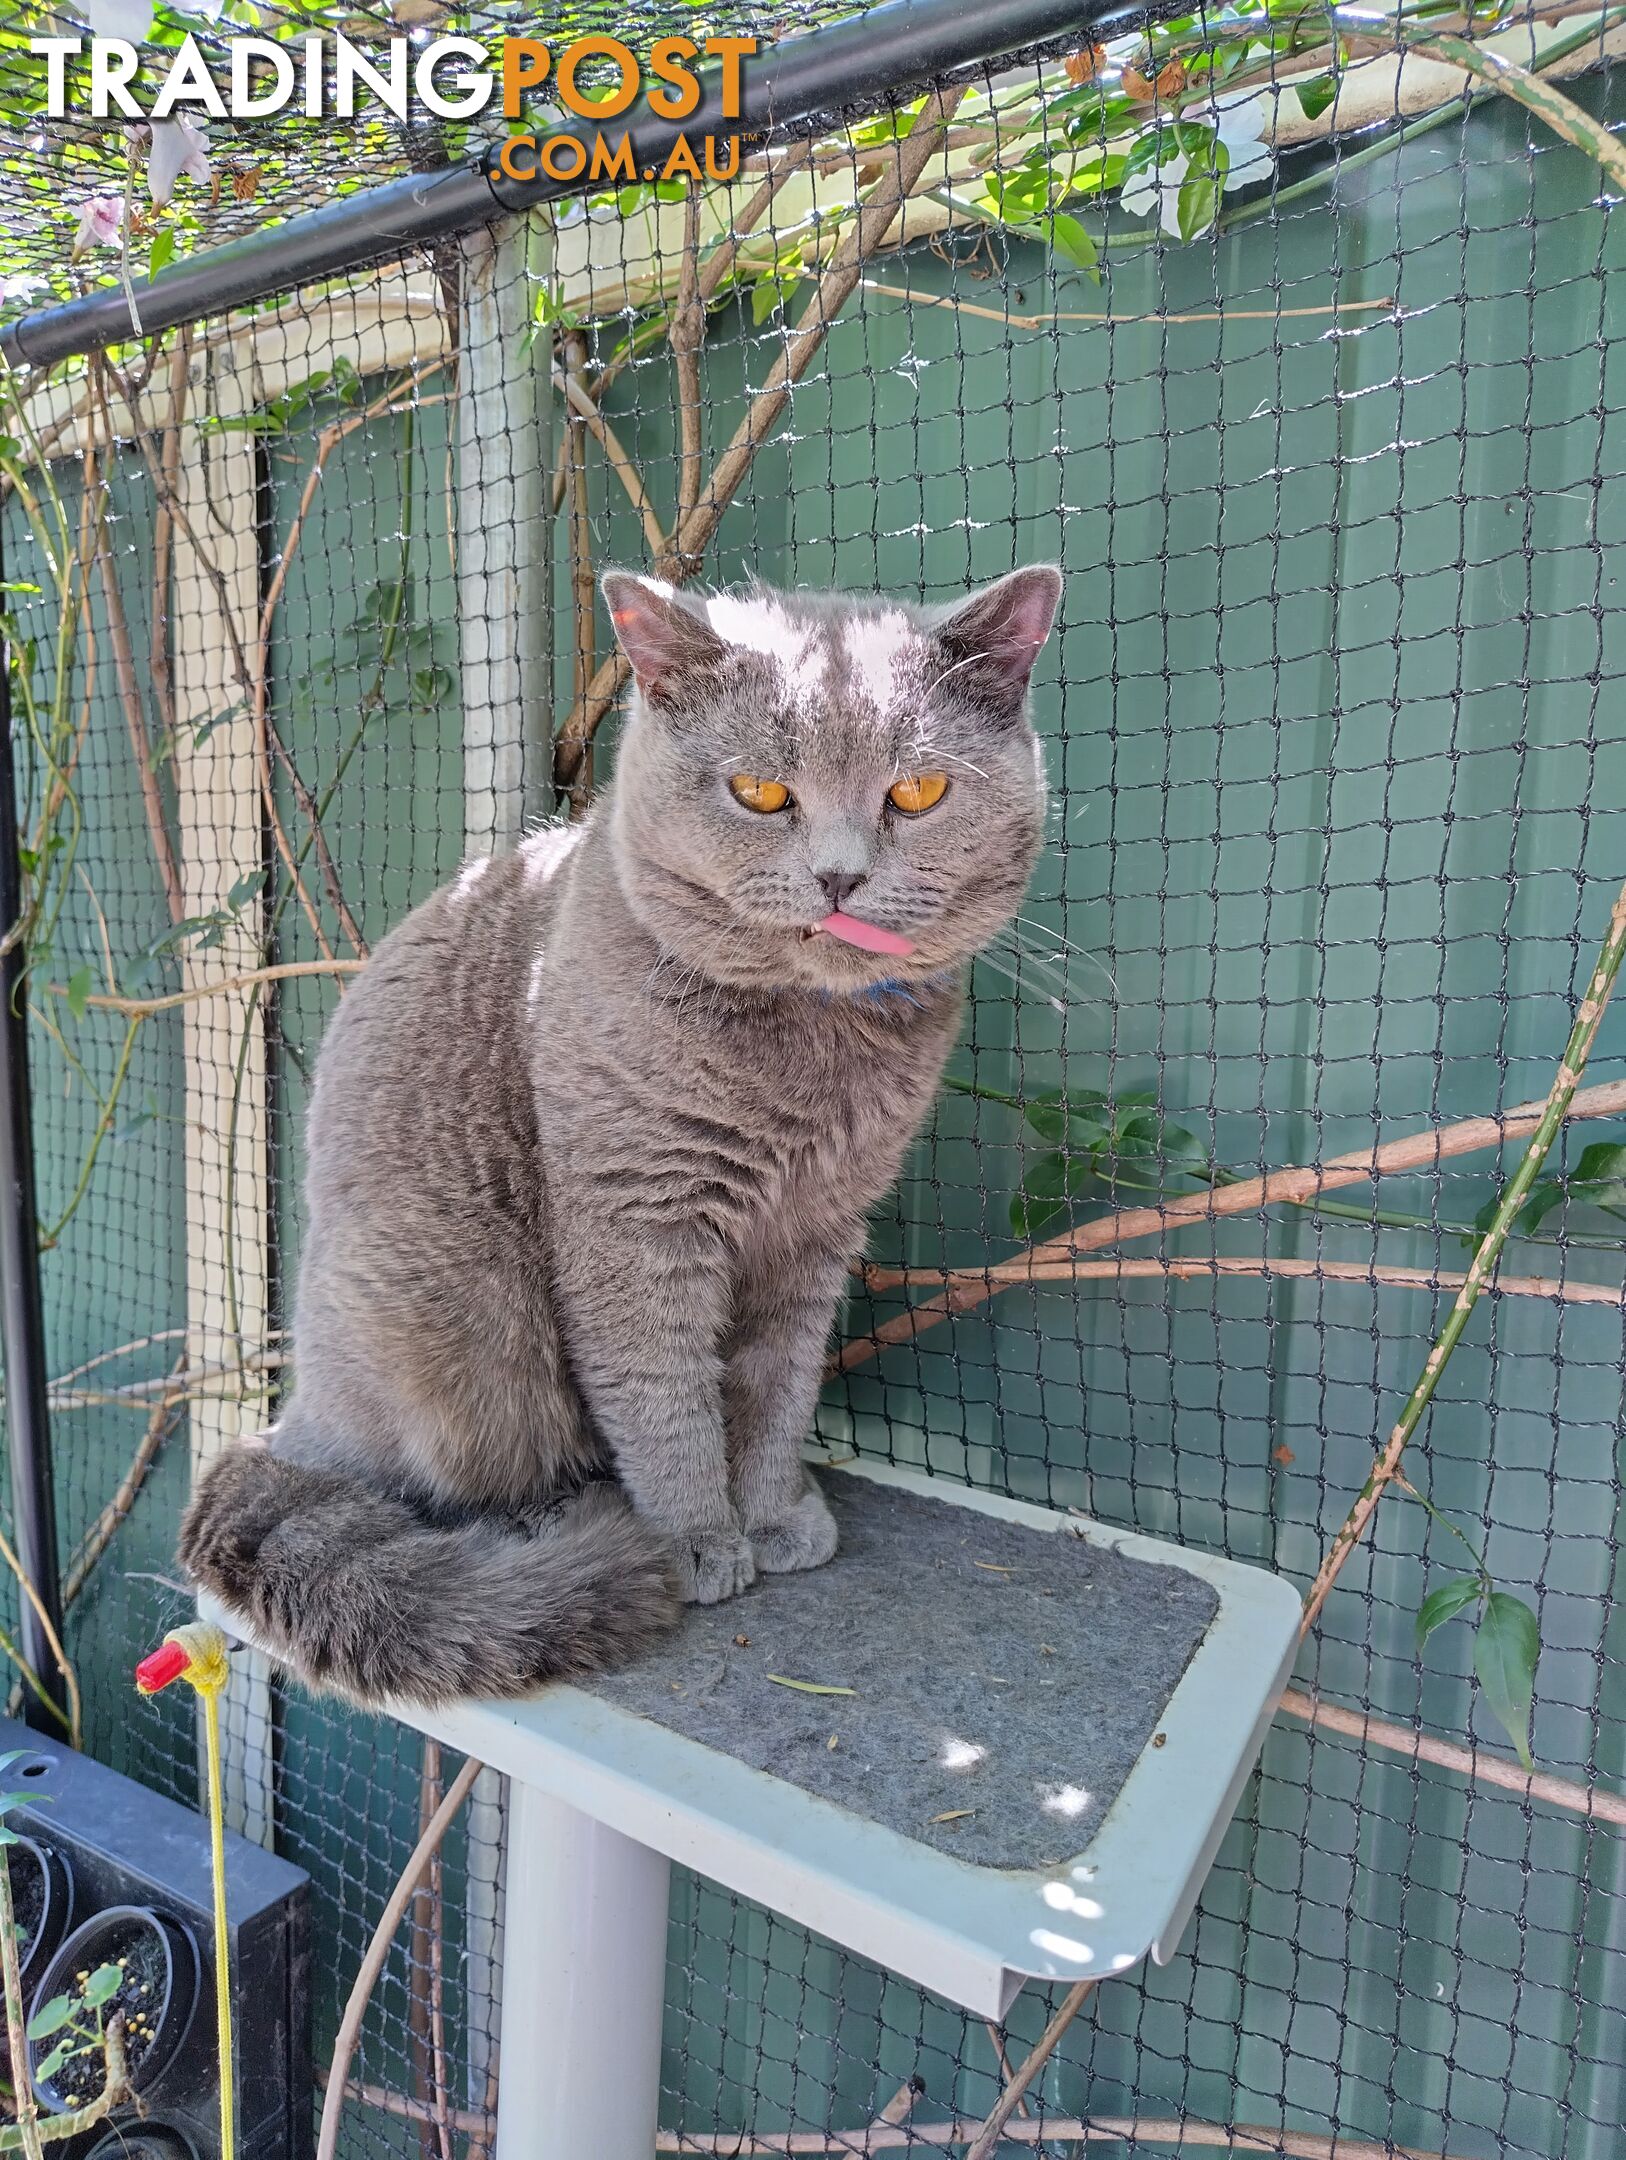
[22,1315]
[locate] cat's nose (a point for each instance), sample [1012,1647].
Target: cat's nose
[839,883]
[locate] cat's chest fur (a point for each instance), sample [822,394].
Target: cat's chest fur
[760,1113]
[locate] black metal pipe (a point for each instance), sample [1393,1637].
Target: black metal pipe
[22,1317]
[785,89]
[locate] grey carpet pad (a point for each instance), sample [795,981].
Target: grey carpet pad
[1004,1680]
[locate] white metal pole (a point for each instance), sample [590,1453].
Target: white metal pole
[505,532]
[584,1983]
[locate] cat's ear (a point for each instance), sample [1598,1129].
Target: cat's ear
[664,636]
[993,639]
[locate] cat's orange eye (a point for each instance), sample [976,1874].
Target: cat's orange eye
[918,791]
[764,795]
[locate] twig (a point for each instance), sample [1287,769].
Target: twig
[993,2127]
[124,675]
[579,531]
[344,2046]
[879,212]
[1598,1801]
[22,2077]
[967,1288]
[116,2089]
[880,1280]
[163,533]
[64,1664]
[686,333]
[585,414]
[881,207]
[1061,315]
[48,1238]
[423,1974]
[225,986]
[1560,113]
[464,2120]
[1182,2133]
[1583,1034]
[101,1532]
[722,259]
[254,683]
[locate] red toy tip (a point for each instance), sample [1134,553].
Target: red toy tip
[165,1664]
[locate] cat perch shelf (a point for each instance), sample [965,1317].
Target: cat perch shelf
[989,1743]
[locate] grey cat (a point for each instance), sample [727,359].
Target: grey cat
[594,1137]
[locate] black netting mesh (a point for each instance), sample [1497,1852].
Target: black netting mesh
[1333,727]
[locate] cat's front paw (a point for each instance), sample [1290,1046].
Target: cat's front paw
[713,1565]
[804,1538]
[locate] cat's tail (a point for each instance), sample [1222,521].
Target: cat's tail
[358,1593]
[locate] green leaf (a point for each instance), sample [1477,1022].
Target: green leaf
[1071,241]
[1546,1196]
[1444,1604]
[50,2017]
[1047,1188]
[1316,95]
[1506,1647]
[1073,1117]
[45,2071]
[1146,1137]
[1197,204]
[163,250]
[245,889]
[1604,1162]
[808,1687]
[79,987]
[206,728]
[102,1986]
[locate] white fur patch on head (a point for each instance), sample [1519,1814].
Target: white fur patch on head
[534,990]
[757,623]
[544,851]
[873,644]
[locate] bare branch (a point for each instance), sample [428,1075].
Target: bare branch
[1559,1289]
[1596,1801]
[686,333]
[905,167]
[1583,1033]
[967,1288]
[583,410]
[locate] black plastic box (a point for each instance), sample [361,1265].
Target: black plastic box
[126,1846]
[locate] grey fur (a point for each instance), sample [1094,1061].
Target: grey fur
[593,1141]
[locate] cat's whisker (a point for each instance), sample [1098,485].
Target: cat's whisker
[1051,971]
[1027,922]
[992,959]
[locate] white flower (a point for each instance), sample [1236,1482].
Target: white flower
[101,219]
[178,146]
[1158,188]
[1239,122]
[127,19]
[21,287]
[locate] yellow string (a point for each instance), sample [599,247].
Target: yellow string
[209,1670]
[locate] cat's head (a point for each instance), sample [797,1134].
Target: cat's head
[794,754]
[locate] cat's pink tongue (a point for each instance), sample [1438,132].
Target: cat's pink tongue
[868,936]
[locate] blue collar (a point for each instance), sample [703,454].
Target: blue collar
[890,987]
